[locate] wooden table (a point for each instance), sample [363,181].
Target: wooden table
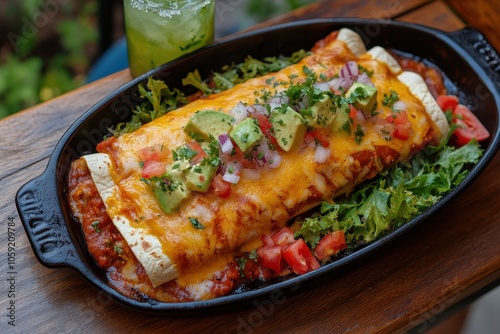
[438,267]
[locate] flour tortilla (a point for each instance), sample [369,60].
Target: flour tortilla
[381,54]
[413,81]
[353,41]
[146,247]
[418,88]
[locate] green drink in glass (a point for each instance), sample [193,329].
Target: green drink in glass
[161,30]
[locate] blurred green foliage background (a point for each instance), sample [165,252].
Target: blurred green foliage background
[48,46]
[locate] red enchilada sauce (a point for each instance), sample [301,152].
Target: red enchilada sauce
[111,252]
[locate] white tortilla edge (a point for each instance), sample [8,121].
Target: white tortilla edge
[146,247]
[353,41]
[381,54]
[413,81]
[418,88]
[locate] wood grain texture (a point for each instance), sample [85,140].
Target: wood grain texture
[484,15]
[406,284]
[435,15]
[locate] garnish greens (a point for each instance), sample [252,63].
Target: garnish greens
[384,204]
[196,223]
[95,226]
[159,99]
[389,100]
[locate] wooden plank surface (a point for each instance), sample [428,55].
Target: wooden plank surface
[404,285]
[483,15]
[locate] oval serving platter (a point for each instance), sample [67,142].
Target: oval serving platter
[469,62]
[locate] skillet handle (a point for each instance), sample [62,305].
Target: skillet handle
[481,49]
[44,223]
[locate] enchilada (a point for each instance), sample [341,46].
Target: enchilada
[335,119]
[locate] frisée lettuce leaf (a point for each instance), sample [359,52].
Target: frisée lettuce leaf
[398,195]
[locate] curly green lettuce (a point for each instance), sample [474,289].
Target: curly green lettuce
[159,99]
[397,196]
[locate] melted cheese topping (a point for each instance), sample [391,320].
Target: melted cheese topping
[255,207]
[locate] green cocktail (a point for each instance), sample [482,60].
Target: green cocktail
[161,30]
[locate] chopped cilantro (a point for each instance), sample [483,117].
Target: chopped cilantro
[183,152]
[242,261]
[390,99]
[95,226]
[359,134]
[365,70]
[346,127]
[196,223]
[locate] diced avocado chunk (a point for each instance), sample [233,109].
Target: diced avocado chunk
[200,176]
[321,114]
[289,127]
[246,134]
[342,122]
[170,194]
[206,123]
[364,97]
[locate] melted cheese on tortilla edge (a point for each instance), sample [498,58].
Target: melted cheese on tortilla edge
[146,247]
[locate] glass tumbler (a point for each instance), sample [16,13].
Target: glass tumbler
[158,31]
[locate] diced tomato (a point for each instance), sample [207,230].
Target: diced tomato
[267,240]
[402,125]
[265,126]
[153,168]
[201,154]
[469,126]
[330,244]
[402,131]
[447,102]
[153,153]
[239,156]
[220,187]
[356,115]
[318,136]
[299,257]
[154,160]
[283,237]
[270,257]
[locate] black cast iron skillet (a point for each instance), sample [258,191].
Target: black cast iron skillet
[469,62]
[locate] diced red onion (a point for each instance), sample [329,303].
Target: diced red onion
[350,69]
[322,86]
[263,150]
[275,160]
[239,112]
[226,145]
[281,98]
[266,156]
[305,101]
[232,173]
[258,108]
[234,166]
[322,154]
[399,106]
[345,83]
[250,174]
[359,117]
[231,178]
[274,105]
[365,79]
